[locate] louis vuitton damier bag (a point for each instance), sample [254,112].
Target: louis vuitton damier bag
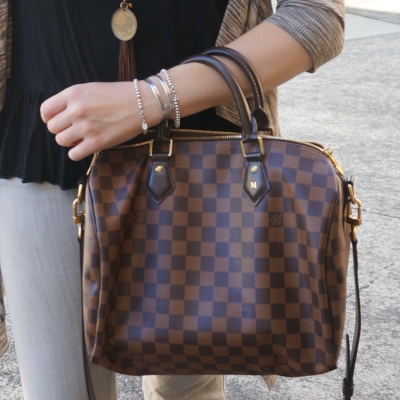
[217,252]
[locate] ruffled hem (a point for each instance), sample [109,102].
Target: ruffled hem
[27,149]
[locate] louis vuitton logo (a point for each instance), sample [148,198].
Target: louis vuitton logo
[253,185]
[280,360]
[139,217]
[137,357]
[276,219]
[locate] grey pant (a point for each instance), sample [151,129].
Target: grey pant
[39,262]
[3,331]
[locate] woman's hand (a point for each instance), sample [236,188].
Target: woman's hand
[96,116]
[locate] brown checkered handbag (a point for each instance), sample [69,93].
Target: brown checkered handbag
[217,252]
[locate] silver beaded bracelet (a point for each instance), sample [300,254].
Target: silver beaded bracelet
[177,121]
[139,101]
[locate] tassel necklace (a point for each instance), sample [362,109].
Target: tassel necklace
[124,26]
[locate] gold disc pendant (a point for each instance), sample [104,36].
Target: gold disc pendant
[124,22]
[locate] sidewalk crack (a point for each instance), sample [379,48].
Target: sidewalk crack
[378,213]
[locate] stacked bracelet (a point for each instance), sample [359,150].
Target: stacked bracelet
[139,101]
[165,108]
[169,102]
[168,95]
[177,121]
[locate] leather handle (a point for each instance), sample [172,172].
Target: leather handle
[245,66]
[259,113]
[249,126]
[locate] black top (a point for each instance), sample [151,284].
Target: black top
[60,43]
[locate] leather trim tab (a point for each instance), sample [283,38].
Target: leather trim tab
[256,184]
[159,183]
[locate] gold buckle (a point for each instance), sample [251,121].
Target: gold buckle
[171,144]
[260,143]
[351,219]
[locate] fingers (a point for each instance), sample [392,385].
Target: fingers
[68,137]
[94,116]
[53,106]
[83,149]
[59,122]
[86,145]
[63,109]
[101,138]
[65,115]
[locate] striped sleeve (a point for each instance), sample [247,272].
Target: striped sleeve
[317,24]
[5,47]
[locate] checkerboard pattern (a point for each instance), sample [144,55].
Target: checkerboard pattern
[206,282]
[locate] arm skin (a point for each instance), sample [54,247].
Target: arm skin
[97,116]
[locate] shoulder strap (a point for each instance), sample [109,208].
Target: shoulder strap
[351,355]
[79,219]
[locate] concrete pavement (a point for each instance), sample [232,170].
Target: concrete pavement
[355,102]
[353,105]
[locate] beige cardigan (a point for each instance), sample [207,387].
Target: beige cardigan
[317,24]
[5,47]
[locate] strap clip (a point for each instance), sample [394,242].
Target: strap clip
[78,215]
[353,220]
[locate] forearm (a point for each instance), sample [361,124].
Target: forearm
[96,116]
[275,55]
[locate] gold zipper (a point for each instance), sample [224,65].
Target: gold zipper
[130,146]
[328,153]
[214,135]
[223,135]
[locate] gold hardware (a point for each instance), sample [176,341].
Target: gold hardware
[79,219]
[92,163]
[329,153]
[131,146]
[352,194]
[178,135]
[78,216]
[80,194]
[159,168]
[260,143]
[254,169]
[351,219]
[151,143]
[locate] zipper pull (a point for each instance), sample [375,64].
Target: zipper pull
[92,163]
